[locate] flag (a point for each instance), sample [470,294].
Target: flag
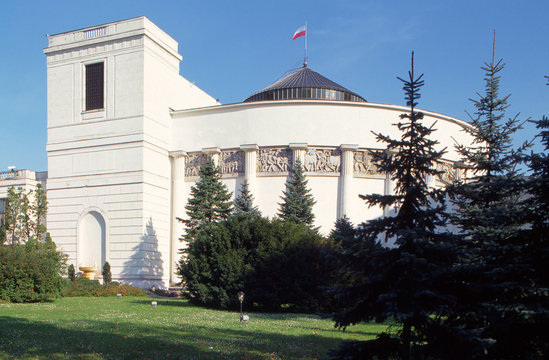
[300,32]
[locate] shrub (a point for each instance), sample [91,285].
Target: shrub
[292,269]
[107,276]
[276,263]
[86,287]
[31,272]
[216,265]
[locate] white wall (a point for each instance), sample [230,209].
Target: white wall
[315,123]
[114,161]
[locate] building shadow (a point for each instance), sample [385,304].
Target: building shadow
[145,266]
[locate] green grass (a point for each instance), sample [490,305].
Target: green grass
[129,328]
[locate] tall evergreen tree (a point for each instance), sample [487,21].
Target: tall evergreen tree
[297,202]
[244,202]
[497,295]
[530,315]
[209,201]
[404,282]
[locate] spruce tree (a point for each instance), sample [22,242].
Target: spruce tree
[209,201]
[496,292]
[344,232]
[530,314]
[402,283]
[297,202]
[244,202]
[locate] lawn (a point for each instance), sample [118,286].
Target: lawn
[130,328]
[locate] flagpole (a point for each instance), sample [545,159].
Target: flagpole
[306,34]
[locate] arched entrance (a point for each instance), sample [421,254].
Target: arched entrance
[91,240]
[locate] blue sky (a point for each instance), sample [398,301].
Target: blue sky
[232,49]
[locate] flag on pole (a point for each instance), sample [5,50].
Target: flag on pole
[300,32]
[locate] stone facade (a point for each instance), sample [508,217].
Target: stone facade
[120,175]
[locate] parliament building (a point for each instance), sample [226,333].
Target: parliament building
[127,134]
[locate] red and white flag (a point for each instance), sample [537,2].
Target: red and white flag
[300,32]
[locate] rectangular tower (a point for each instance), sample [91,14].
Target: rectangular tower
[110,88]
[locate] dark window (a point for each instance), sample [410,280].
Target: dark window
[94,86]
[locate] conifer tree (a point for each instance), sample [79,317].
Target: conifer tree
[244,202]
[297,202]
[403,282]
[528,314]
[344,231]
[106,272]
[497,294]
[71,272]
[494,185]
[209,201]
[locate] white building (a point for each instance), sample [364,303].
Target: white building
[127,135]
[26,180]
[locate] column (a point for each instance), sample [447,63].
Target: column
[345,179]
[250,166]
[213,152]
[178,200]
[299,150]
[460,170]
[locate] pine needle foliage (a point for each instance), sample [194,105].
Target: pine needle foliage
[209,201]
[501,299]
[244,202]
[402,283]
[297,201]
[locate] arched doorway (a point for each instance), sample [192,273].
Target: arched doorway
[91,240]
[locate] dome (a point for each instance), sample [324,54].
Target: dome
[305,84]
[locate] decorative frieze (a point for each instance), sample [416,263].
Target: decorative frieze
[279,159]
[232,162]
[363,164]
[274,160]
[193,162]
[322,160]
[448,174]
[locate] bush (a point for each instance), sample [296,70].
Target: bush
[86,287]
[277,264]
[31,272]
[291,270]
[216,265]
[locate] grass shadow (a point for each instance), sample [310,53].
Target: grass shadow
[24,338]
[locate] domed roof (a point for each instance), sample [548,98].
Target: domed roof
[305,84]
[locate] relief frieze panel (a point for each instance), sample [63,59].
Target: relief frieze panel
[193,162]
[274,160]
[362,163]
[322,160]
[448,174]
[232,162]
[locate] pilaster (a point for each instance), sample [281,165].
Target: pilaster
[250,165]
[177,210]
[346,177]
[214,153]
[299,150]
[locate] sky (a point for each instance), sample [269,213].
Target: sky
[231,49]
